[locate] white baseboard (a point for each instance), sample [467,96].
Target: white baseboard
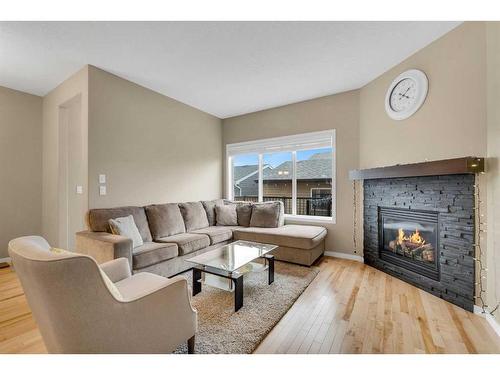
[489,318]
[5,260]
[336,254]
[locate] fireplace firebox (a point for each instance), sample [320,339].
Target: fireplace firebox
[410,239]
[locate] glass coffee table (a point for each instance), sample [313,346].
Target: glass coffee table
[231,262]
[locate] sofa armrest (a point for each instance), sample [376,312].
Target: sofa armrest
[117,269]
[104,246]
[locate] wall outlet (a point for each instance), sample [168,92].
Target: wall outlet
[102,190]
[102,178]
[79,189]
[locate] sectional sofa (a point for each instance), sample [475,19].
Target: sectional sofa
[173,232]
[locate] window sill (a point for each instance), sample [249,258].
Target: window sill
[309,219]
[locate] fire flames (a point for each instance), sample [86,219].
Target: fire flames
[415,237]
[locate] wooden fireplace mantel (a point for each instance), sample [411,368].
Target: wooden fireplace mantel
[466,165]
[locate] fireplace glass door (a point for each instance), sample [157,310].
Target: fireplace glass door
[409,238]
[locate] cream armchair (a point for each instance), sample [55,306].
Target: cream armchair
[83,308]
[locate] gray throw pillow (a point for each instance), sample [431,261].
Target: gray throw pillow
[267,215]
[125,226]
[195,216]
[244,213]
[209,207]
[165,220]
[226,215]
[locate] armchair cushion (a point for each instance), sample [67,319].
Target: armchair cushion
[116,269]
[140,284]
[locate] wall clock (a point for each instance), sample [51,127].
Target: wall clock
[406,94]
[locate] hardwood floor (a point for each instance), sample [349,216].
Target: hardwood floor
[348,308]
[353,308]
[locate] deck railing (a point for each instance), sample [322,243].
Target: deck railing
[305,206]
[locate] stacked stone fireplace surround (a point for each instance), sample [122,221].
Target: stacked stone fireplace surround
[452,197]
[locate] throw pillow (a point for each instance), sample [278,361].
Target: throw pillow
[210,209]
[244,213]
[125,226]
[226,215]
[267,215]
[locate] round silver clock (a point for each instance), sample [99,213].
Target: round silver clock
[406,94]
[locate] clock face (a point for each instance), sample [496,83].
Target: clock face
[406,94]
[403,95]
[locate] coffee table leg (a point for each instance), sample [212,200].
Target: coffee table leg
[238,293]
[196,281]
[270,260]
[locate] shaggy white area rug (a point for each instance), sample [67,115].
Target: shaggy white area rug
[221,330]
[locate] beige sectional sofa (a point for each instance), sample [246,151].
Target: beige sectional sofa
[174,232]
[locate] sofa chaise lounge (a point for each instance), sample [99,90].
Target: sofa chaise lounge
[173,232]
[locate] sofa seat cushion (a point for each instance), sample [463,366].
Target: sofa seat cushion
[152,252]
[297,236]
[98,219]
[140,284]
[187,242]
[216,234]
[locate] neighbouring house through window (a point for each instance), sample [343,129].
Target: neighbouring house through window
[298,170]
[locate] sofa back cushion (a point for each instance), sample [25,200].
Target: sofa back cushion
[268,215]
[226,215]
[165,220]
[195,216]
[98,219]
[209,207]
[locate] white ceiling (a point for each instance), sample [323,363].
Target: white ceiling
[223,68]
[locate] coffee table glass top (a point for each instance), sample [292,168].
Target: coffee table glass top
[232,256]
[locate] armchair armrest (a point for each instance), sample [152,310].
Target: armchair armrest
[166,316]
[104,246]
[117,269]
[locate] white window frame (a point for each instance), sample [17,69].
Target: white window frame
[292,144]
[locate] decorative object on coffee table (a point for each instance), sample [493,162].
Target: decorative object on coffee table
[231,262]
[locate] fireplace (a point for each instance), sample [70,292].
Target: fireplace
[422,230]
[409,239]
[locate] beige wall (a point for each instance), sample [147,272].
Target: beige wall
[338,112]
[493,166]
[53,171]
[151,148]
[20,166]
[452,121]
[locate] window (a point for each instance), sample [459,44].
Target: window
[297,170]
[277,179]
[245,177]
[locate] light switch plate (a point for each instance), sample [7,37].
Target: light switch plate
[102,190]
[79,189]
[102,178]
